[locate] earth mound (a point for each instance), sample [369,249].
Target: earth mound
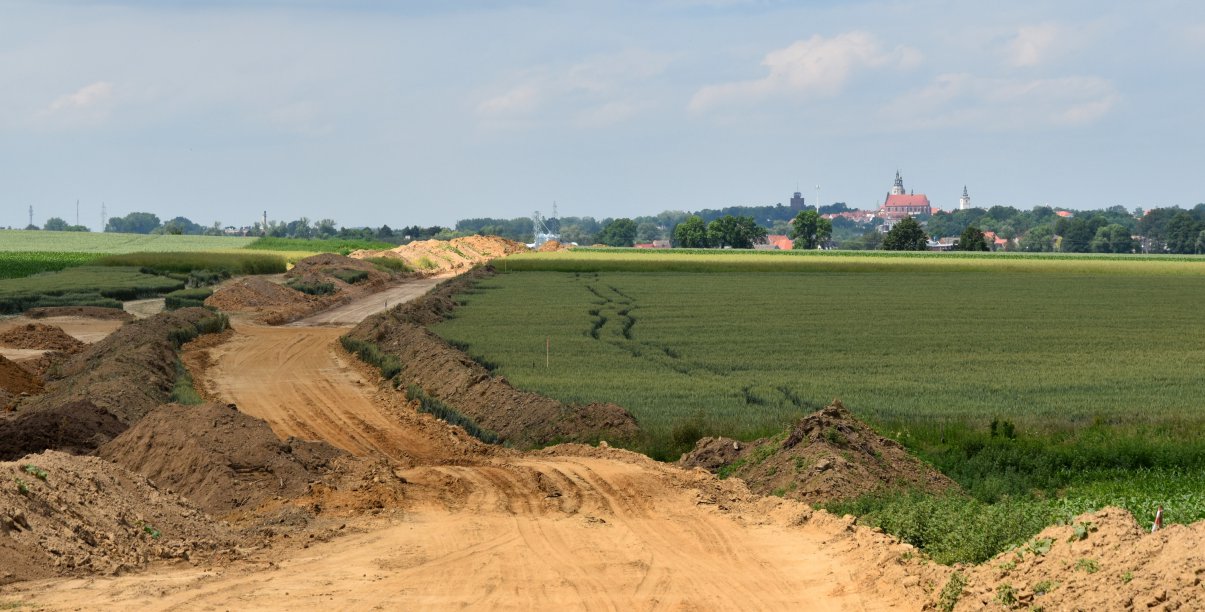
[255,294]
[1101,561]
[132,370]
[829,455]
[440,256]
[92,312]
[40,336]
[16,380]
[76,427]
[552,245]
[218,457]
[67,515]
[519,417]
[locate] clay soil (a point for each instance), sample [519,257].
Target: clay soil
[411,513]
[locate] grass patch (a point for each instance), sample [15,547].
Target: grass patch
[369,353]
[342,246]
[112,242]
[185,391]
[187,298]
[311,287]
[227,264]
[349,276]
[389,264]
[443,412]
[82,286]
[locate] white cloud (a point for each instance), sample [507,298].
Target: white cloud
[964,100]
[89,105]
[1034,44]
[813,68]
[521,99]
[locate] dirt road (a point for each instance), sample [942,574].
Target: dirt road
[353,313]
[572,527]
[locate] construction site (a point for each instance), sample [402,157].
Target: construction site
[326,466]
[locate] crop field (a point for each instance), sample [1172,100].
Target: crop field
[26,263]
[112,243]
[1096,362]
[82,286]
[343,246]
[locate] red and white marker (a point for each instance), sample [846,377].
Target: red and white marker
[1158,519]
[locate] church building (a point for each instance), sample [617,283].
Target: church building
[900,204]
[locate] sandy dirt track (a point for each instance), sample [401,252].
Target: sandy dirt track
[354,312]
[573,527]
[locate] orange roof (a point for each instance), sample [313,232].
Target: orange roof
[782,242]
[1064,213]
[907,200]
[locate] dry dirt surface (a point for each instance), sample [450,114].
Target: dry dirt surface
[828,455]
[438,257]
[39,336]
[86,329]
[358,310]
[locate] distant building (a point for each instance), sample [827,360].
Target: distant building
[775,242]
[965,201]
[797,202]
[900,204]
[1066,214]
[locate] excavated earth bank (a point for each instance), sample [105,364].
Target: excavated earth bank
[519,417]
[828,455]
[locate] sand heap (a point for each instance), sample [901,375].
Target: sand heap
[552,245]
[439,256]
[1102,561]
[66,515]
[218,457]
[40,336]
[829,455]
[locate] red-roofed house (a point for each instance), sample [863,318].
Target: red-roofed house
[1066,214]
[776,241]
[995,242]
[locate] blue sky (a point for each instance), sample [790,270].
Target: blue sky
[372,112]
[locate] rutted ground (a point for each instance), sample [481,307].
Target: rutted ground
[572,527]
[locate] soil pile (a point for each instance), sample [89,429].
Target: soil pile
[447,374]
[255,294]
[15,382]
[440,256]
[1102,561]
[40,336]
[127,374]
[92,312]
[552,245]
[75,427]
[67,515]
[218,457]
[829,455]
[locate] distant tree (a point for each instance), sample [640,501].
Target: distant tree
[618,233]
[133,223]
[647,231]
[834,208]
[972,239]
[55,224]
[384,233]
[215,229]
[1182,231]
[691,233]
[325,228]
[1078,233]
[810,230]
[1201,242]
[907,235]
[868,241]
[1039,239]
[1113,238]
[31,227]
[735,232]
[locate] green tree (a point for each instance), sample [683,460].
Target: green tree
[1182,233]
[647,232]
[133,223]
[907,235]
[1112,238]
[972,239]
[691,233]
[55,224]
[809,230]
[1039,239]
[736,232]
[618,233]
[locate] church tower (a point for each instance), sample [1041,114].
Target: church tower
[898,187]
[965,201]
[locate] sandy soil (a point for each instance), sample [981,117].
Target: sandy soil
[142,309]
[84,329]
[353,313]
[574,527]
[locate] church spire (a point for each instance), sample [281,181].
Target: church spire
[965,201]
[898,187]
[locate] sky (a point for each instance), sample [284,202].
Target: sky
[424,112]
